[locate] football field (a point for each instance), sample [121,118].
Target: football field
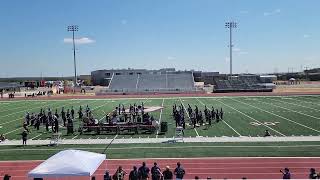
[244,116]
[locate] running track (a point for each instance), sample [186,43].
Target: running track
[216,168]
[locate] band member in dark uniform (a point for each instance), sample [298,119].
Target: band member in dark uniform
[72,112]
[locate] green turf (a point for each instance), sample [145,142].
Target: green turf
[177,150]
[293,115]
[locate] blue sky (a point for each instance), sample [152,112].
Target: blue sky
[272,35]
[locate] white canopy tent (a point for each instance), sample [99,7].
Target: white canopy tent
[68,163]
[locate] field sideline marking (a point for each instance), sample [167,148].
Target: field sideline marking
[159,147]
[251,118]
[160,117]
[222,120]
[277,115]
[294,104]
[176,97]
[289,110]
[195,129]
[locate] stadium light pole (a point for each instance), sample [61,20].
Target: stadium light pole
[230,25]
[74,28]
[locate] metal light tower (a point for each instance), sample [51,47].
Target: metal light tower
[74,28]
[230,25]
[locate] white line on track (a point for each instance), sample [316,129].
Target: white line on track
[251,118]
[276,115]
[222,120]
[195,129]
[160,117]
[191,158]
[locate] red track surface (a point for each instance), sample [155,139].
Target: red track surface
[216,168]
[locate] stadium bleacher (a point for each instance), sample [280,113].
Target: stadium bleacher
[123,82]
[237,85]
[152,82]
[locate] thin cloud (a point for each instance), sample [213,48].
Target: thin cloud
[274,12]
[83,40]
[243,52]
[236,49]
[171,58]
[244,12]
[124,21]
[239,51]
[306,35]
[227,59]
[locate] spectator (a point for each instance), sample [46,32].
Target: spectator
[167,174]
[143,172]
[286,174]
[196,177]
[155,172]
[6,177]
[106,176]
[313,174]
[267,133]
[2,138]
[24,137]
[134,174]
[179,171]
[120,173]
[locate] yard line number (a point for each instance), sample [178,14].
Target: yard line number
[264,123]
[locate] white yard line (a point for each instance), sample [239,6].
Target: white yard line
[8,108]
[294,104]
[251,117]
[22,118]
[28,111]
[160,117]
[296,99]
[195,129]
[36,136]
[25,110]
[223,120]
[276,115]
[289,110]
[12,131]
